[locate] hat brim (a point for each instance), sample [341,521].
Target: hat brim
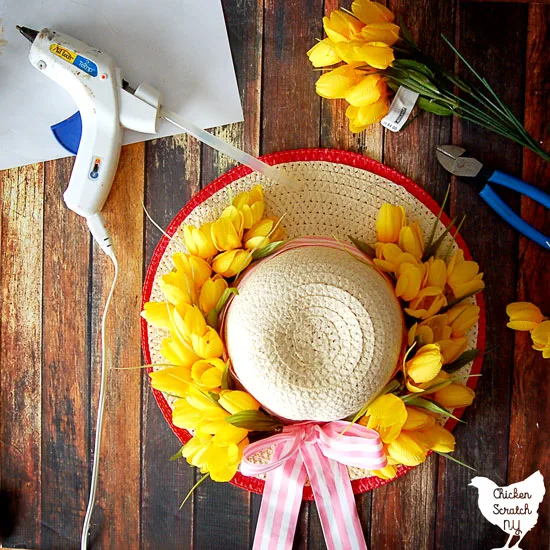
[312,156]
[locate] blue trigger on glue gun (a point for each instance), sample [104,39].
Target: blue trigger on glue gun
[68,132]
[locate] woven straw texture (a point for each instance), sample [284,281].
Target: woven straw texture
[337,200]
[314,334]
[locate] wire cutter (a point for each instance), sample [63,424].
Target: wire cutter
[472,170]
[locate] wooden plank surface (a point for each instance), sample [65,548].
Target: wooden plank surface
[54,284]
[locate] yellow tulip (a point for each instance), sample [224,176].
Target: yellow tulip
[439,327]
[435,438]
[224,235]
[541,338]
[208,453]
[389,222]
[421,333]
[405,450]
[386,414]
[157,313]
[426,303]
[256,194]
[426,363]
[195,449]
[371,12]
[172,380]
[177,288]
[378,55]
[388,472]
[454,395]
[363,117]
[323,54]
[199,241]
[409,281]
[207,373]
[411,240]
[389,258]
[262,233]
[208,345]
[211,292]
[236,401]
[462,317]
[453,348]
[194,267]
[178,353]
[368,90]
[436,273]
[463,276]
[229,263]
[523,316]
[188,320]
[341,26]
[440,381]
[380,32]
[337,82]
[417,420]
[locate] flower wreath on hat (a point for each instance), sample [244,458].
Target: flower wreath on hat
[228,425]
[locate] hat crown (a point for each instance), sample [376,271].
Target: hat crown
[314,333]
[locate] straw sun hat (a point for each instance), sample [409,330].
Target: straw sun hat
[313,334]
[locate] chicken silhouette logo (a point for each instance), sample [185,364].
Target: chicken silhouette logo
[514,508]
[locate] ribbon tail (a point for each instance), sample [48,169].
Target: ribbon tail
[335,501]
[281,502]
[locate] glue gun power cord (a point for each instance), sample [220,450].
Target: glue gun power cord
[96,224]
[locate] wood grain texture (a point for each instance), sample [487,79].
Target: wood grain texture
[116,520]
[53,286]
[22,218]
[530,419]
[65,420]
[483,441]
[172,175]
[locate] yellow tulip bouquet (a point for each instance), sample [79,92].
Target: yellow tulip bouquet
[222,417]
[433,291]
[196,375]
[371,57]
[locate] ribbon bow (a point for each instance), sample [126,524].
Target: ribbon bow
[321,452]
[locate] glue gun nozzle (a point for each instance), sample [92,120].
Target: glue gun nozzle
[29,34]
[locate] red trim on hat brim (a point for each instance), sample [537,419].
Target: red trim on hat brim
[329,155]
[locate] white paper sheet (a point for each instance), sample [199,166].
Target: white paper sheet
[178,46]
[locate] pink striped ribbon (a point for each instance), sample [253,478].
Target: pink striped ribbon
[322,452]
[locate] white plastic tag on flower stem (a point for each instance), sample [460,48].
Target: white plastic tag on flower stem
[400,109]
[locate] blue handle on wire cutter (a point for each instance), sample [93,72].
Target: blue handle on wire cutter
[489,195]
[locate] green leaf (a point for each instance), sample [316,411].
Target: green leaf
[224,297]
[405,30]
[431,406]
[412,64]
[192,490]
[437,220]
[268,249]
[363,247]
[448,456]
[255,421]
[434,247]
[227,381]
[433,106]
[464,359]
[178,455]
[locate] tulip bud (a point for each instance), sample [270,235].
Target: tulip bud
[454,395]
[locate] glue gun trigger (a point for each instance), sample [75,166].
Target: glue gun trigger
[68,132]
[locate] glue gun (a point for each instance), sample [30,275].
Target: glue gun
[106,104]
